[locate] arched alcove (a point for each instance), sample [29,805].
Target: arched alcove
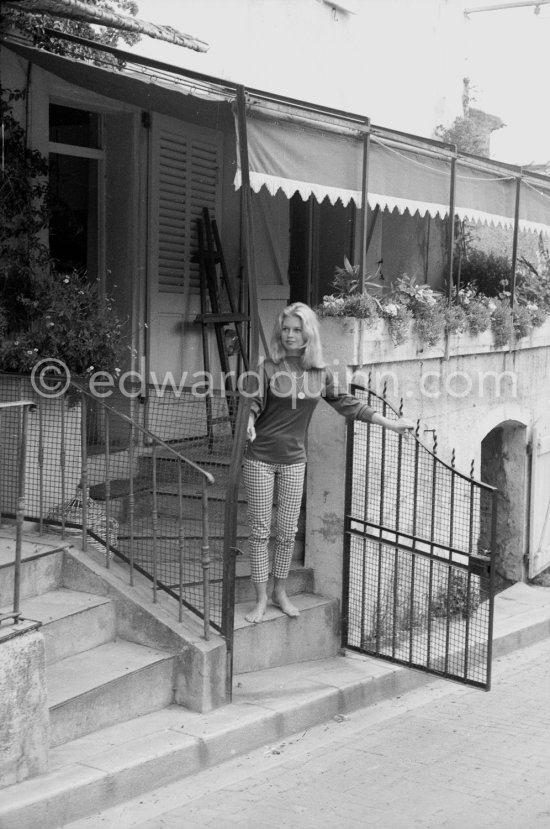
[504,465]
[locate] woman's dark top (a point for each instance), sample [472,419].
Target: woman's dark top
[286,398]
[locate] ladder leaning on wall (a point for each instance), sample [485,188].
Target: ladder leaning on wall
[219,312]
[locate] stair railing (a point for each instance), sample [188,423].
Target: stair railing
[148,545]
[22,406]
[94,470]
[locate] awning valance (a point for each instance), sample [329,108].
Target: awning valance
[406,180]
[299,159]
[483,196]
[534,207]
[314,161]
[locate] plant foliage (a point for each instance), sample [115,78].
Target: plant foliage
[35,26]
[410,308]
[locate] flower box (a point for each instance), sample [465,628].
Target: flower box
[357,342]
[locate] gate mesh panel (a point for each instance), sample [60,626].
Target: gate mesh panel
[419,588]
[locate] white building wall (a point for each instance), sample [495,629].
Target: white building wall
[462,396]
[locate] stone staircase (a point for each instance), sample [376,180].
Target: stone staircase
[278,640]
[94,676]
[117,664]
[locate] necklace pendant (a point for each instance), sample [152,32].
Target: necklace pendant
[301,395]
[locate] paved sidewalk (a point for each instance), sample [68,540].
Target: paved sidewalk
[115,764]
[440,757]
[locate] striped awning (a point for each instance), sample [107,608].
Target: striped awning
[295,157]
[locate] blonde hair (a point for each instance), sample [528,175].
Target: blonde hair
[312,356]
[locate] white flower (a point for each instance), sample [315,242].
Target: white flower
[491,306]
[391,310]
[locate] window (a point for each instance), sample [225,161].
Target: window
[76,161]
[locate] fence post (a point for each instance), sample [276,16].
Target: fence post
[20,511]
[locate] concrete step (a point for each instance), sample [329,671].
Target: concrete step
[41,563]
[168,504]
[280,640]
[168,549]
[122,761]
[300,580]
[110,683]
[72,622]
[168,529]
[167,465]
[168,523]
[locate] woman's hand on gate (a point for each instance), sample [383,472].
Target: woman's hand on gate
[403,426]
[250,429]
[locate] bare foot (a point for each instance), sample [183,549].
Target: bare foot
[283,602]
[257,613]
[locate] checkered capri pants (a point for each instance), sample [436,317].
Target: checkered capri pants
[260,479]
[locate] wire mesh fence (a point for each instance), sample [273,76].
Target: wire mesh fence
[145,477]
[419,540]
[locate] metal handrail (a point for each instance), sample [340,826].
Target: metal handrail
[69,455]
[145,432]
[25,406]
[156,442]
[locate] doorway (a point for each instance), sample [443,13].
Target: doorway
[321,235]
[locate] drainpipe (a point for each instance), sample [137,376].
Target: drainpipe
[241,422]
[247,228]
[365,218]
[515,242]
[364,203]
[452,195]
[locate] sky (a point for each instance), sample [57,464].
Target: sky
[504,53]
[508,60]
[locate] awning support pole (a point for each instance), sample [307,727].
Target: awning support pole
[452,226]
[364,205]
[247,229]
[515,243]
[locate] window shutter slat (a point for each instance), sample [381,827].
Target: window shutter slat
[187,181]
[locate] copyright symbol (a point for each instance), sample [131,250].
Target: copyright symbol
[50,377]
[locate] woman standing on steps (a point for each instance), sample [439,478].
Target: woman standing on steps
[291,383]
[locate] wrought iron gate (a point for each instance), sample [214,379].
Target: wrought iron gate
[419,535]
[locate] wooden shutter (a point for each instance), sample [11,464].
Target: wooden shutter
[186,179]
[539,523]
[172,216]
[185,175]
[202,193]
